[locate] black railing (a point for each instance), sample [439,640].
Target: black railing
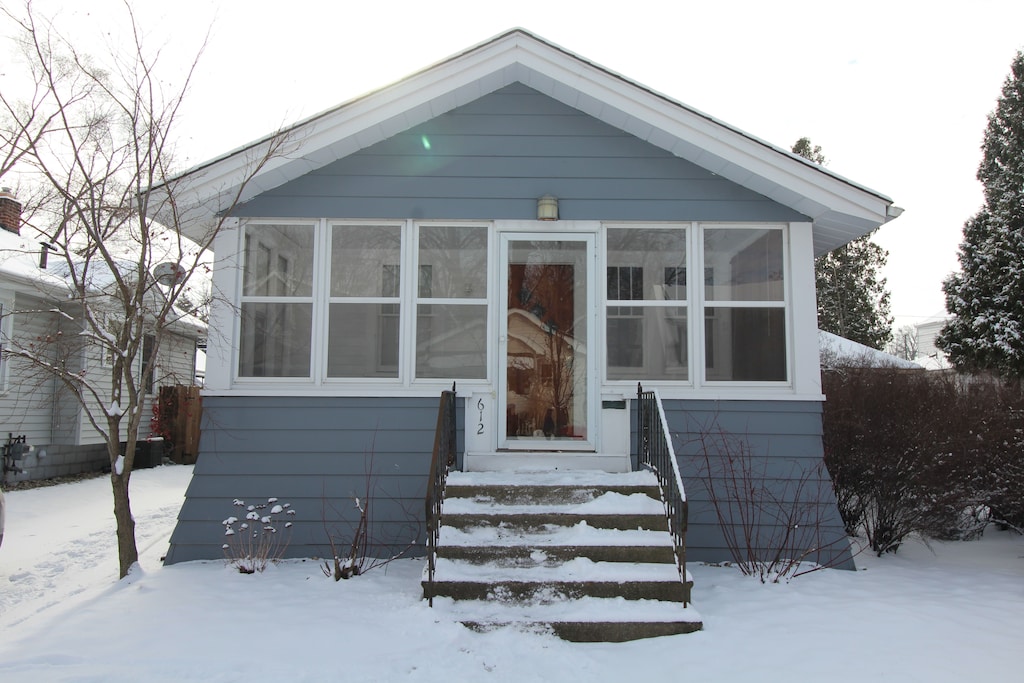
[442,459]
[654,449]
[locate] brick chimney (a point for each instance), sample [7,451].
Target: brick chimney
[10,211]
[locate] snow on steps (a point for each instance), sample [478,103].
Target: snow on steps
[585,555]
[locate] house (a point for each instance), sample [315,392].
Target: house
[539,231]
[36,314]
[929,355]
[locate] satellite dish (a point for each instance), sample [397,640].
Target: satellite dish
[168,273]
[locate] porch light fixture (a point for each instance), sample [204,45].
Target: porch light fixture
[547,208]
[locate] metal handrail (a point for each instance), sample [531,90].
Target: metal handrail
[442,459]
[654,449]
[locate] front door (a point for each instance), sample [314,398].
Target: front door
[547,326]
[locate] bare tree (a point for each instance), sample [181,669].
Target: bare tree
[904,343]
[94,139]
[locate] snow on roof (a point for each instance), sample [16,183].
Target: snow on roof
[19,262]
[832,347]
[19,269]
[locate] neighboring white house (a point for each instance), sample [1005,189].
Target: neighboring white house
[929,355]
[33,313]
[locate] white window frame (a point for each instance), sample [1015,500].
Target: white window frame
[487,300]
[606,304]
[317,328]
[701,300]
[322,308]
[696,305]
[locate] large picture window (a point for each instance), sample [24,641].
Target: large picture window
[647,332]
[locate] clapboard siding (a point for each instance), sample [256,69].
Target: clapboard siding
[492,159]
[779,442]
[26,406]
[318,454]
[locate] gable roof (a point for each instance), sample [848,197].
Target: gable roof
[839,209]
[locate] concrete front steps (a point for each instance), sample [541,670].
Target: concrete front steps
[585,555]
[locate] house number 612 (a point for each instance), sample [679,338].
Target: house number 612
[480,423]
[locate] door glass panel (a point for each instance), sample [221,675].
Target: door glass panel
[546,360]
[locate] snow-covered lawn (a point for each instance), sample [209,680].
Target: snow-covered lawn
[954,615]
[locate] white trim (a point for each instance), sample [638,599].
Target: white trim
[592,378]
[805,357]
[802,369]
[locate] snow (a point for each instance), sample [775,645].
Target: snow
[610,503]
[831,347]
[950,615]
[553,535]
[119,465]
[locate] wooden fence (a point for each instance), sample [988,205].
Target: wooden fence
[181,411]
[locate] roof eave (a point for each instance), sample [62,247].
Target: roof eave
[840,209]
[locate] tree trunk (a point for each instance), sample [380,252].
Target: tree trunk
[127,551]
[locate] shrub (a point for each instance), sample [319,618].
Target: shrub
[256,542]
[916,452]
[769,509]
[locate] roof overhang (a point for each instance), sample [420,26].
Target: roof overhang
[839,209]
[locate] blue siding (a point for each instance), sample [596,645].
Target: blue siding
[317,454]
[779,444]
[492,159]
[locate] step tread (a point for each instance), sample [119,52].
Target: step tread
[534,477]
[609,503]
[578,535]
[586,609]
[577,570]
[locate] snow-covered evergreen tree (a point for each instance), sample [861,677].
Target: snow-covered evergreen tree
[986,299]
[852,299]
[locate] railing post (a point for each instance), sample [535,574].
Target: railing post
[442,458]
[639,423]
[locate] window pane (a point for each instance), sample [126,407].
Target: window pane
[647,342]
[745,344]
[363,340]
[453,262]
[646,263]
[278,260]
[451,341]
[743,264]
[364,260]
[275,340]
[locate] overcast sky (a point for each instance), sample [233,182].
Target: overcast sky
[896,93]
